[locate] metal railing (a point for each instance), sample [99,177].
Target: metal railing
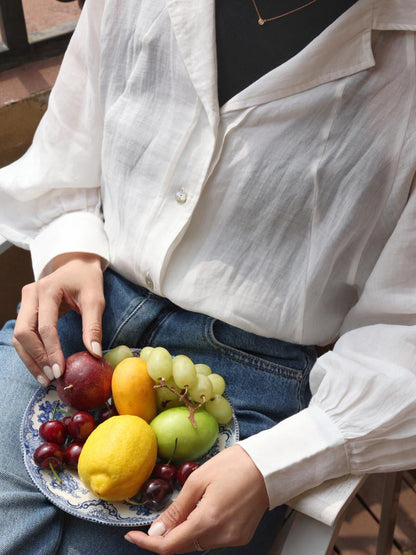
[17,46]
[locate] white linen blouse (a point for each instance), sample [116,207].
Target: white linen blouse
[289,212]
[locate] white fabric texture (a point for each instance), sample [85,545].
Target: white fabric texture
[289,211]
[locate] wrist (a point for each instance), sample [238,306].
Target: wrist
[68,257]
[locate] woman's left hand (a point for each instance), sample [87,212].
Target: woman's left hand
[221,504]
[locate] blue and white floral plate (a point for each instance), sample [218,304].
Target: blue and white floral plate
[71,496]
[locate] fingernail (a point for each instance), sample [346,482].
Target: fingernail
[56,370]
[128,539]
[96,348]
[42,380]
[48,371]
[157,529]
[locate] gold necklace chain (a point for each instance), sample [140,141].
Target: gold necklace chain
[262,20]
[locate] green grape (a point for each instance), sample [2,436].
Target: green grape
[218,384]
[159,364]
[117,354]
[166,398]
[200,389]
[203,369]
[146,352]
[220,409]
[184,372]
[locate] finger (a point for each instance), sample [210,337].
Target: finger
[178,511]
[26,340]
[92,306]
[32,366]
[180,522]
[180,539]
[50,299]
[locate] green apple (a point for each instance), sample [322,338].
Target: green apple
[193,442]
[117,354]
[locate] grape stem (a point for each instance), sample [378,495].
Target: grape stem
[183,397]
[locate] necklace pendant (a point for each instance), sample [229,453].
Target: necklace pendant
[261,21]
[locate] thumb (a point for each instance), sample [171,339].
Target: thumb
[92,309]
[179,510]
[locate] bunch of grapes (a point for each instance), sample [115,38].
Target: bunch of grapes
[180,381]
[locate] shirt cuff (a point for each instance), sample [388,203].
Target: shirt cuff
[298,454]
[73,232]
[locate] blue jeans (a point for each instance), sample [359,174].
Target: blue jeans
[267,381]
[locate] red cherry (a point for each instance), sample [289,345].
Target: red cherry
[185,470]
[156,493]
[81,425]
[106,412]
[72,453]
[49,454]
[165,471]
[66,420]
[53,431]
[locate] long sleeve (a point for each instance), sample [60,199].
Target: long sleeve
[50,199]
[362,416]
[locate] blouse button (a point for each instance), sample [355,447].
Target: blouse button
[149,282]
[181,196]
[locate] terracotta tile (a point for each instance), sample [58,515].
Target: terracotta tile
[42,14]
[28,79]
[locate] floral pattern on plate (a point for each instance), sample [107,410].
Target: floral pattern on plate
[71,496]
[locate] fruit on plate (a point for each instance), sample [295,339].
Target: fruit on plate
[192,441]
[159,363]
[49,455]
[86,382]
[81,425]
[53,431]
[132,389]
[185,470]
[72,453]
[220,409]
[156,493]
[117,354]
[118,457]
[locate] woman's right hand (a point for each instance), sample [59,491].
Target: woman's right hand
[76,283]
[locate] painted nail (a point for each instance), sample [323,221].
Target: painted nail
[48,371]
[157,529]
[96,348]
[128,539]
[56,370]
[42,380]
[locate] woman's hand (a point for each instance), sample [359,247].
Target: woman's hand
[221,504]
[76,283]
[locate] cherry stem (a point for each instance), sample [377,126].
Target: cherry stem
[133,502]
[55,409]
[183,397]
[54,472]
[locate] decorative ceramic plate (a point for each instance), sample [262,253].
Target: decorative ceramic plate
[71,496]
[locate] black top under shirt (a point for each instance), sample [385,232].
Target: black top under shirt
[247,50]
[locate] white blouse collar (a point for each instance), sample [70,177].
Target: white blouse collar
[342,49]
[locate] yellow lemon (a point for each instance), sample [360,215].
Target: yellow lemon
[118,457]
[132,389]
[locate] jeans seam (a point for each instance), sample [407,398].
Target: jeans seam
[239,356]
[127,319]
[152,330]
